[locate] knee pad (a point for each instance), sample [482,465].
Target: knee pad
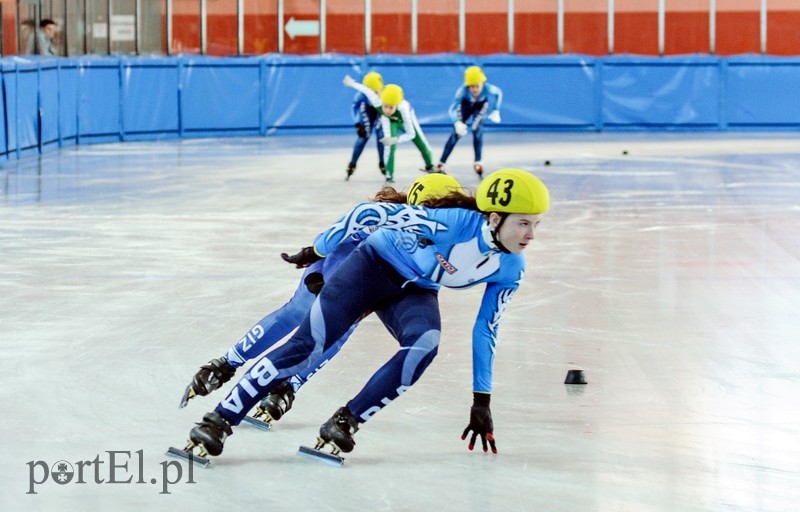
[314,282]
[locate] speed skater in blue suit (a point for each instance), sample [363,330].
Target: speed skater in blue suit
[397,273]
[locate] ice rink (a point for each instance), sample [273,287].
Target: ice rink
[670,275]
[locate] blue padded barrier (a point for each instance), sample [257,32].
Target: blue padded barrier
[68,80]
[762,92]
[50,102]
[150,98]
[546,93]
[99,95]
[4,119]
[665,93]
[220,95]
[9,70]
[27,101]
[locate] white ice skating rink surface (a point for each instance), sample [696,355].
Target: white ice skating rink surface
[670,275]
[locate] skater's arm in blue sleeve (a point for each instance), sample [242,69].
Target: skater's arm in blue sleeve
[496,94]
[371,95]
[484,333]
[455,107]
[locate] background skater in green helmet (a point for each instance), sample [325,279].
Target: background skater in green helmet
[397,124]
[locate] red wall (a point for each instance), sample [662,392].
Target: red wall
[535,32]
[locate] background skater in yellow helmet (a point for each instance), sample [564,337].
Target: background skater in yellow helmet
[397,124]
[366,117]
[473,101]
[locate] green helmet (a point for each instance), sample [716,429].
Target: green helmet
[512,191]
[431,186]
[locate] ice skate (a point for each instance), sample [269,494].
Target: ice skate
[440,168]
[389,180]
[351,168]
[337,432]
[208,437]
[210,377]
[478,168]
[429,169]
[272,407]
[188,454]
[210,434]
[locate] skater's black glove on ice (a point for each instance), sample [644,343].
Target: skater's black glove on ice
[361,131]
[302,259]
[480,422]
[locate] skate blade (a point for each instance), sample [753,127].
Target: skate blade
[187,395]
[327,458]
[191,457]
[261,425]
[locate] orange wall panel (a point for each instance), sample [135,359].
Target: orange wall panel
[738,32]
[185,33]
[437,33]
[636,33]
[260,33]
[586,32]
[685,33]
[535,33]
[221,38]
[486,33]
[345,33]
[391,33]
[783,32]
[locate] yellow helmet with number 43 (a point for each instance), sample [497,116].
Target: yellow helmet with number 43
[512,191]
[432,186]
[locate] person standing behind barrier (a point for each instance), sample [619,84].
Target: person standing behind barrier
[398,115]
[473,100]
[48,30]
[366,116]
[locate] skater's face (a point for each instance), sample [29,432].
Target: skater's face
[475,89]
[517,231]
[388,110]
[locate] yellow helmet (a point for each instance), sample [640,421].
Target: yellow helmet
[373,80]
[392,95]
[473,76]
[512,191]
[432,186]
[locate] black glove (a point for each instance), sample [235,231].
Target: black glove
[302,259]
[361,131]
[480,422]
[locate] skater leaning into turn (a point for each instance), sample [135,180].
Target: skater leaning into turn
[276,325]
[365,117]
[459,242]
[398,124]
[473,101]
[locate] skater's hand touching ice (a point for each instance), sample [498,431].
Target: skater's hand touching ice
[302,259]
[480,422]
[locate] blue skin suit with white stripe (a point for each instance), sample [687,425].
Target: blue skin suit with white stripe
[396,272]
